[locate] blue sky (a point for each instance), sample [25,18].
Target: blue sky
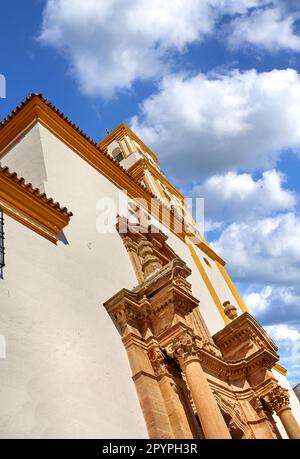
[213,87]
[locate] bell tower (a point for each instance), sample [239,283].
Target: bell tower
[142,164]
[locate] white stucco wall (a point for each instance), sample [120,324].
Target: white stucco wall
[27,158]
[66,372]
[217,280]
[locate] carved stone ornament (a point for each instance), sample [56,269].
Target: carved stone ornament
[183,347]
[277,399]
[257,405]
[150,263]
[157,360]
[230,310]
[232,408]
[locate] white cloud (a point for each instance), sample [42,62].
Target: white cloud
[274,304]
[112,43]
[203,125]
[273,28]
[283,332]
[288,340]
[235,196]
[265,251]
[278,309]
[258,301]
[210,225]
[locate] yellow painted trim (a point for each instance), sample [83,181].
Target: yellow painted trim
[160,188]
[125,154]
[137,170]
[159,176]
[28,224]
[280,369]
[129,146]
[121,131]
[206,280]
[187,211]
[209,251]
[31,204]
[148,185]
[232,287]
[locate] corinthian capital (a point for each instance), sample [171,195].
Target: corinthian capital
[277,399]
[183,347]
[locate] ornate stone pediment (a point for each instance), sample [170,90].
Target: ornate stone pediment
[244,337]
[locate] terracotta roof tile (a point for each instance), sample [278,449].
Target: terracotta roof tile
[20,181]
[83,134]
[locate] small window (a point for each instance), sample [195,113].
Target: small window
[117,154]
[2,263]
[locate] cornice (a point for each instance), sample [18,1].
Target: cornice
[240,327]
[31,207]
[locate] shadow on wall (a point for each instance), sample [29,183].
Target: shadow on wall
[62,238]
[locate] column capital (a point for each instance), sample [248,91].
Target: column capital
[184,347]
[277,399]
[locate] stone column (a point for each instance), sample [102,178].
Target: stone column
[278,400]
[184,349]
[183,425]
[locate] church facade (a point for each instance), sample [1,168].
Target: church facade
[119,320]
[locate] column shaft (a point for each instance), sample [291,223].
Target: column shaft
[289,423]
[210,416]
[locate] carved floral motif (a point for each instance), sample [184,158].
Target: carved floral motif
[183,346]
[277,399]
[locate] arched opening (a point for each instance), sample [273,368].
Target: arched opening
[117,154]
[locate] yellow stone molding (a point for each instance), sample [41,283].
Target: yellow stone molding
[280,369]
[232,287]
[206,280]
[121,131]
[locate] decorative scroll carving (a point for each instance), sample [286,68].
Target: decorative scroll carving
[277,399]
[230,310]
[257,405]
[184,346]
[232,408]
